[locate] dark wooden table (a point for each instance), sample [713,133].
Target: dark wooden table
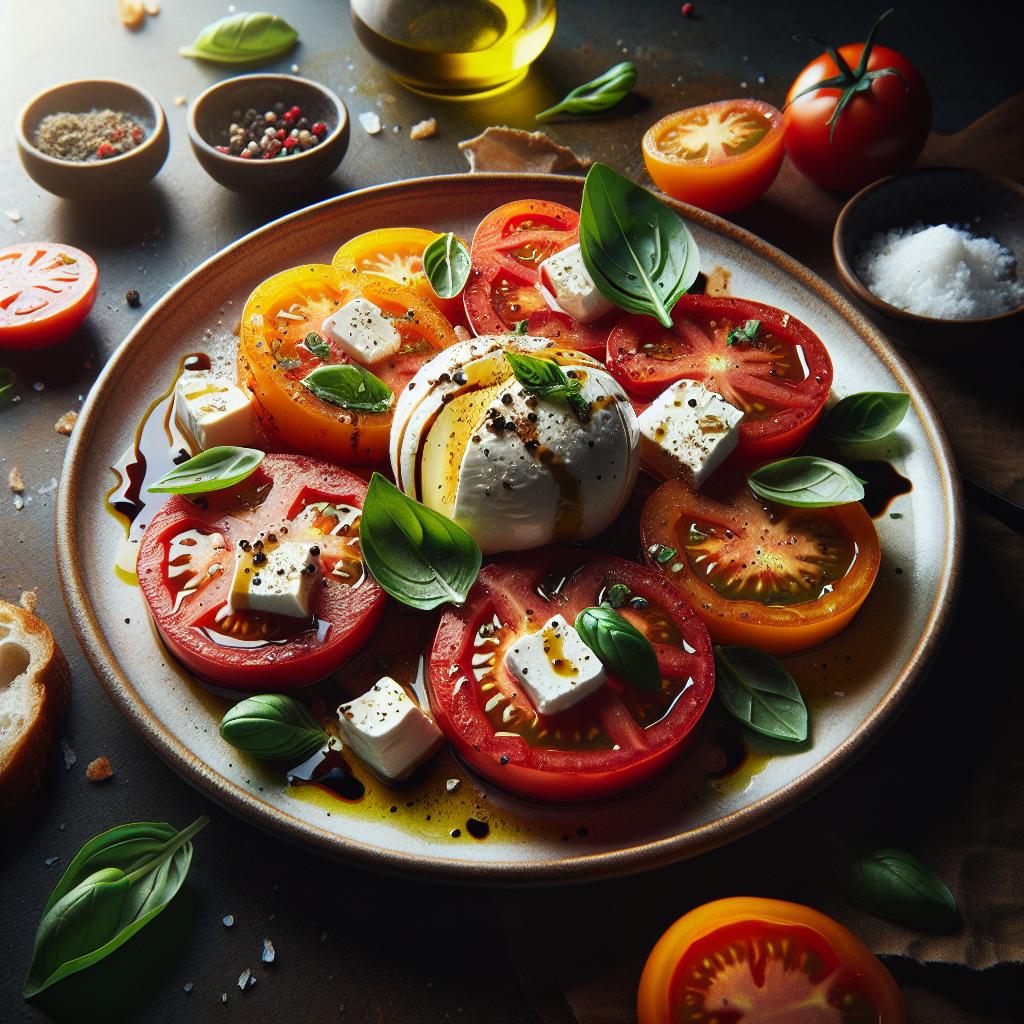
[352,945]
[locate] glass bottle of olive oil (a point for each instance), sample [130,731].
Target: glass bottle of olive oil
[455,48]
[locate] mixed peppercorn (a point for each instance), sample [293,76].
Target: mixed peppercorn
[283,131]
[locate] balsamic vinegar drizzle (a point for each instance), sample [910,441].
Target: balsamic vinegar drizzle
[882,484]
[328,770]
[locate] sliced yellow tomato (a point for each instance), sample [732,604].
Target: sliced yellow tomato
[397,254]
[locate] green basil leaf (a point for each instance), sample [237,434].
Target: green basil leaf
[116,885]
[896,886]
[748,332]
[639,251]
[661,553]
[759,691]
[622,648]
[446,264]
[8,381]
[546,379]
[597,95]
[519,327]
[243,39]
[805,481]
[351,386]
[417,555]
[866,416]
[317,345]
[273,727]
[212,470]
[618,594]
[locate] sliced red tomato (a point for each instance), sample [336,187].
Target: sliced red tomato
[720,156]
[46,292]
[508,248]
[745,960]
[762,575]
[780,379]
[614,739]
[187,559]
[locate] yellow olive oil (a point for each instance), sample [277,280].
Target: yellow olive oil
[455,48]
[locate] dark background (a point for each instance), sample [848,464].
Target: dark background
[356,946]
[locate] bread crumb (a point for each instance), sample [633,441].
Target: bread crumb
[152,8]
[131,13]
[66,423]
[16,481]
[28,601]
[99,770]
[180,101]
[424,129]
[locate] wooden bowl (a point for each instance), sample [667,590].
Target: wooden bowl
[98,179]
[211,114]
[988,205]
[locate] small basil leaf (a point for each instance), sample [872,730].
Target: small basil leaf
[446,264]
[317,345]
[748,332]
[622,648]
[242,39]
[519,327]
[273,727]
[661,553]
[131,880]
[896,886]
[758,691]
[866,416]
[351,386]
[8,381]
[597,95]
[417,555]
[805,481]
[212,470]
[618,595]
[639,251]
[546,379]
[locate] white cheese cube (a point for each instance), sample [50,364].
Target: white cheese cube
[282,578]
[688,431]
[554,666]
[565,276]
[214,411]
[387,731]
[363,332]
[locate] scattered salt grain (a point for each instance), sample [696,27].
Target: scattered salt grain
[28,601]
[16,481]
[180,101]
[50,861]
[268,952]
[14,216]
[295,69]
[246,979]
[941,271]
[228,920]
[70,757]
[19,503]
[451,785]
[187,987]
[370,122]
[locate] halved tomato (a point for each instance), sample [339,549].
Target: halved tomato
[780,379]
[46,292]
[397,254]
[746,960]
[187,559]
[508,247]
[272,359]
[614,739]
[762,575]
[720,156]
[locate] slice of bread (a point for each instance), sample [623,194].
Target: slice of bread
[34,681]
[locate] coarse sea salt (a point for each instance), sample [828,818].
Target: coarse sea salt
[941,271]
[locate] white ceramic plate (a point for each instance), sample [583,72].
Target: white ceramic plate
[854,686]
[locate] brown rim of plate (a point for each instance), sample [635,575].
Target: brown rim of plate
[156,111]
[854,284]
[583,867]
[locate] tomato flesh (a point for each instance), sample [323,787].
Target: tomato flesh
[780,379]
[46,292]
[614,739]
[762,575]
[187,560]
[720,156]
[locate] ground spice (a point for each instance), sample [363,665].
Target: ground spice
[93,135]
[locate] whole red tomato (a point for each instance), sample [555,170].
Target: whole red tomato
[856,114]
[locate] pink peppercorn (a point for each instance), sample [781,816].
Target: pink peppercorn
[319,128]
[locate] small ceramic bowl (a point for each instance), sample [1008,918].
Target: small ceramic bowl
[212,113]
[989,206]
[95,179]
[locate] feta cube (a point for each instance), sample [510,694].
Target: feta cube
[213,411]
[363,332]
[282,578]
[688,431]
[387,731]
[565,276]
[554,666]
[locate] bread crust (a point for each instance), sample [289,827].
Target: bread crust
[23,761]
